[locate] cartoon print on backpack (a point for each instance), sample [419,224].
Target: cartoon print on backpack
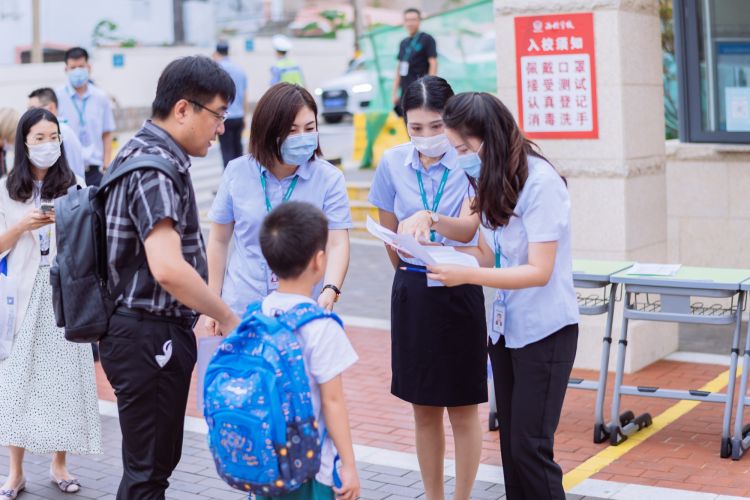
[262,430]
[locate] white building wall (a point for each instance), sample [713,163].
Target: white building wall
[72,22]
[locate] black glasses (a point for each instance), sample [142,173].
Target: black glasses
[221,116]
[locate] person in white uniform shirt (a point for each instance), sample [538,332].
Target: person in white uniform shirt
[523,209]
[438,334]
[293,240]
[88,111]
[285,163]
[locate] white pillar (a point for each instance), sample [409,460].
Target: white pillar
[617,182]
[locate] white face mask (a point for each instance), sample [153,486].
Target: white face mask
[433,147]
[44,155]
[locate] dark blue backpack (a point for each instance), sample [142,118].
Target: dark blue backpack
[261,428]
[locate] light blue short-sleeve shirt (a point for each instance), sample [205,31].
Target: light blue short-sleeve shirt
[240,200]
[237,107]
[73,149]
[89,116]
[542,215]
[395,188]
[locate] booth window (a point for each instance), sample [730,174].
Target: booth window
[712,45]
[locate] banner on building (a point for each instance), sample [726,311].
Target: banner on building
[556,76]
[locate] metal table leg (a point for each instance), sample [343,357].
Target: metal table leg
[741,439]
[620,428]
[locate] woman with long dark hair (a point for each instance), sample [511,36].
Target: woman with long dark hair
[523,210]
[438,334]
[48,401]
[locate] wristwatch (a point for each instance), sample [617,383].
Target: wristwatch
[335,290]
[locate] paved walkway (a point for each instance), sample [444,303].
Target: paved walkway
[195,477]
[682,456]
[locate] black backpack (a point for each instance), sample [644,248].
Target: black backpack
[81,296]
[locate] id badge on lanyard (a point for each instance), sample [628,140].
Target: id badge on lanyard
[403,68]
[498,307]
[498,314]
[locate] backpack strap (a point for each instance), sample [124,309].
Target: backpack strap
[144,162]
[141,162]
[302,314]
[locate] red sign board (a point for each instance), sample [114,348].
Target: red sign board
[556,76]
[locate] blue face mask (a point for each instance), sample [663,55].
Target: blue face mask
[299,148]
[471,163]
[78,77]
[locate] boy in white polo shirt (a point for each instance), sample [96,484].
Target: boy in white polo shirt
[293,240]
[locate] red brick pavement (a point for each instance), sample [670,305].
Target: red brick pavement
[684,455]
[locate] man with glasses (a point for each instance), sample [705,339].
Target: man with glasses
[149,351]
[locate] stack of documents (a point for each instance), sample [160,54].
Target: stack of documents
[429,255]
[654,269]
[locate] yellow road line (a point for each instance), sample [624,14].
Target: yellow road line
[612,453]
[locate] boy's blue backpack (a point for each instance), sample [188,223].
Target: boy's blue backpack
[261,428]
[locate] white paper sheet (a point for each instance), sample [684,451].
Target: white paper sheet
[654,269]
[428,255]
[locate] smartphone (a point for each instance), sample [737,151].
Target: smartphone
[47,207]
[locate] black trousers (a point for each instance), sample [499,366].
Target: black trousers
[231,140]
[530,385]
[93,175]
[149,363]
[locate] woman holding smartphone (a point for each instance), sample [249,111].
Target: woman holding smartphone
[48,401]
[522,208]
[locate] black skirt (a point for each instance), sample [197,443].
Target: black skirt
[438,342]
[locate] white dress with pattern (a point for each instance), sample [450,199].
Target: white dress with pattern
[48,398]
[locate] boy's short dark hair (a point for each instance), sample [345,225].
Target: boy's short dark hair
[290,237]
[45,95]
[76,53]
[413,10]
[194,78]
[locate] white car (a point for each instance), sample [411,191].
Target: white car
[348,94]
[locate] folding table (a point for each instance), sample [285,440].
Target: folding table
[595,275]
[682,298]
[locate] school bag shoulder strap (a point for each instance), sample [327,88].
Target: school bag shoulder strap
[144,162]
[141,162]
[302,314]
[254,318]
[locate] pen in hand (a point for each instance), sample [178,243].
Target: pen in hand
[414,269]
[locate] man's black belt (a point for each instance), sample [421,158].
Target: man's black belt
[142,315]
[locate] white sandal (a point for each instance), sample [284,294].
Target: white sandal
[66,485]
[13,493]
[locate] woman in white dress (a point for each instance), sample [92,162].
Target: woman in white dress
[48,401]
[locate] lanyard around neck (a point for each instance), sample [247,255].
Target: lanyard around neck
[287,195]
[498,248]
[81,110]
[413,44]
[438,195]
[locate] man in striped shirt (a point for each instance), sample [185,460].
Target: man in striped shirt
[149,351]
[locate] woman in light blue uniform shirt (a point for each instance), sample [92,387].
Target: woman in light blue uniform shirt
[523,209]
[438,334]
[285,163]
